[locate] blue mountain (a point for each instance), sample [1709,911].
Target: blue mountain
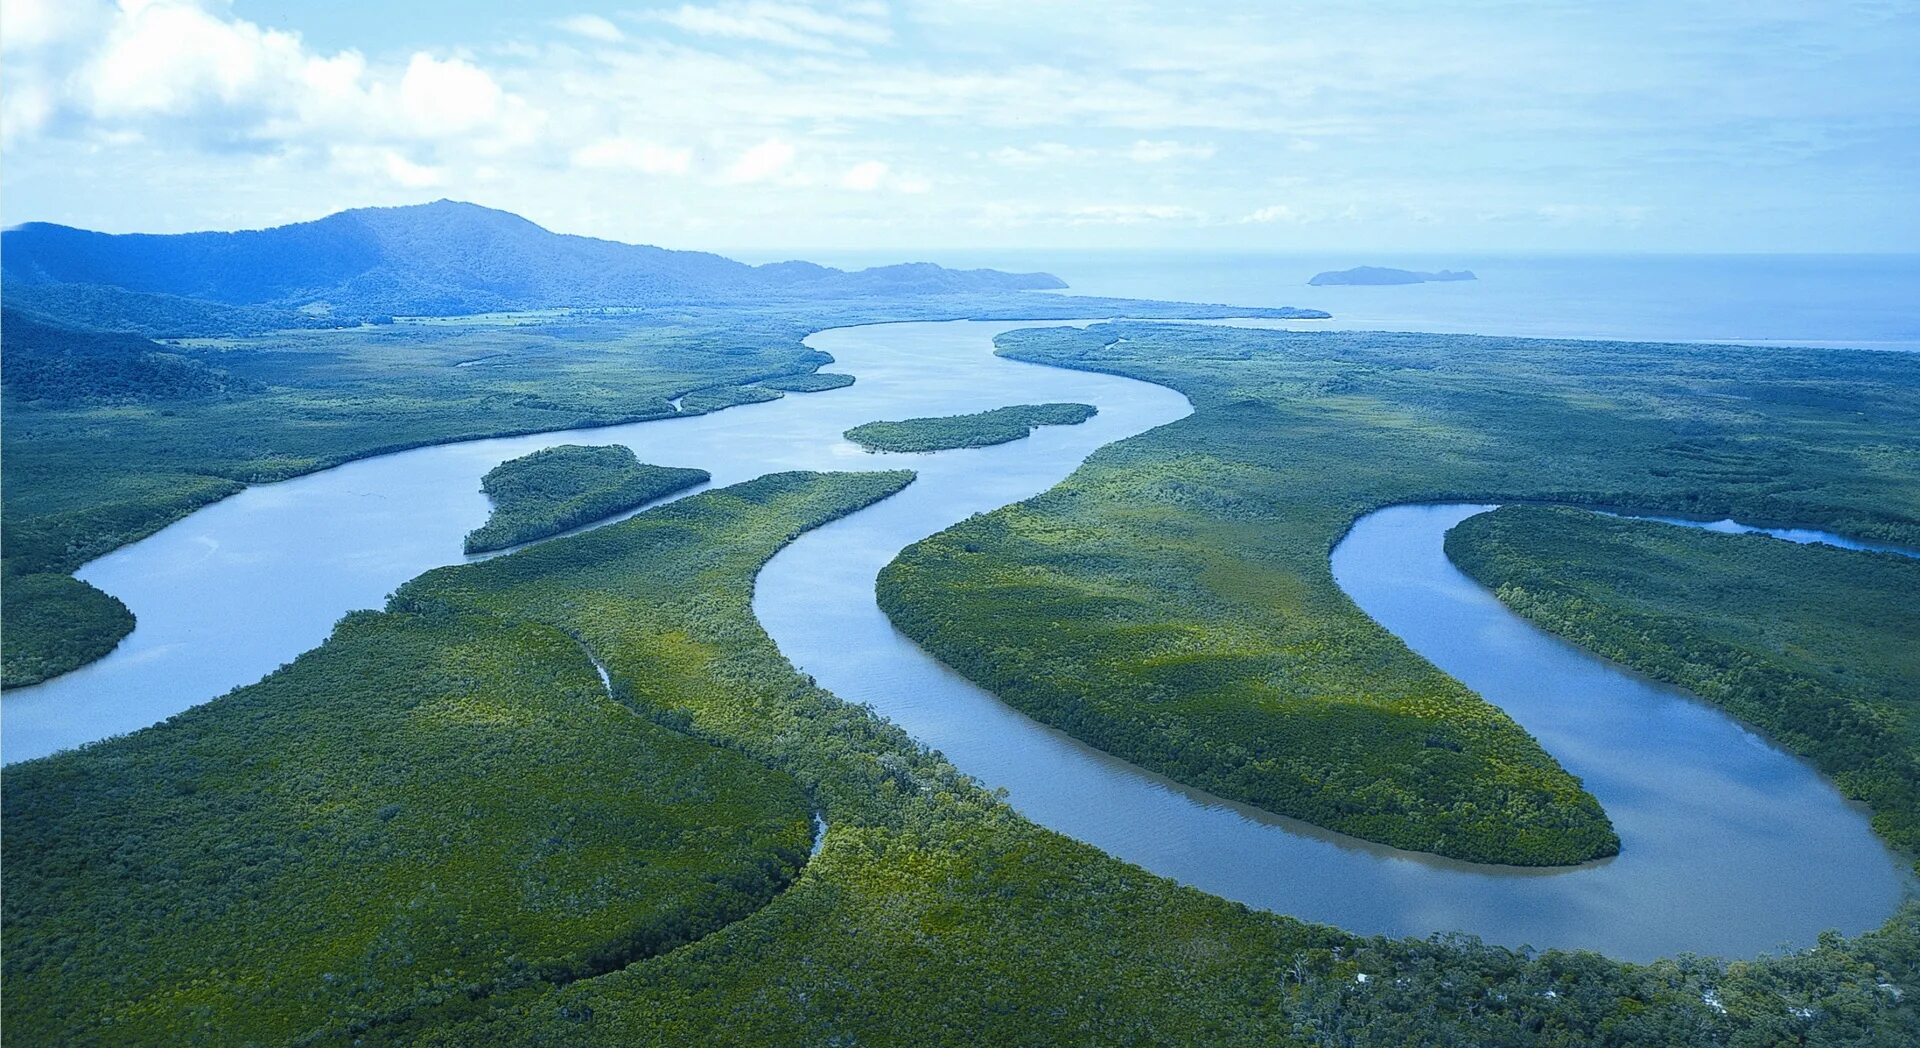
[436,259]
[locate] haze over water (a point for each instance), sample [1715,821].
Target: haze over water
[1864,301]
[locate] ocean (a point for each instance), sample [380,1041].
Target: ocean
[1864,301]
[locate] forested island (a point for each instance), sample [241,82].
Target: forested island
[556,489]
[816,382]
[979,430]
[1381,275]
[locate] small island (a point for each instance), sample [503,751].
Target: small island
[815,382]
[560,488]
[967,431]
[1378,275]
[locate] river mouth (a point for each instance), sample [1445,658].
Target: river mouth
[1730,846]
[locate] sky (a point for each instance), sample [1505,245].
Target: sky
[766,125]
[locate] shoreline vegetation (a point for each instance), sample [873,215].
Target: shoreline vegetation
[817,382]
[978,430]
[557,489]
[1172,603]
[934,914]
[1817,646]
[56,623]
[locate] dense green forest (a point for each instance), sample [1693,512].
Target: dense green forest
[108,308]
[87,473]
[1172,601]
[934,915]
[58,365]
[555,489]
[1815,645]
[817,382]
[426,806]
[55,623]
[978,430]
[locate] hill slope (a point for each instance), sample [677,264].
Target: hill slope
[441,258]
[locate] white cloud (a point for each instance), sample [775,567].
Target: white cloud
[1042,154]
[794,25]
[1143,151]
[1133,214]
[762,162]
[449,97]
[1147,152]
[31,25]
[1031,113]
[865,177]
[24,109]
[1003,214]
[593,27]
[1273,213]
[388,166]
[169,58]
[627,154]
[205,76]
[412,175]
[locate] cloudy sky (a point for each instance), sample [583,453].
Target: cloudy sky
[771,124]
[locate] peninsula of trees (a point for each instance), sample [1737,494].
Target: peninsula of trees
[557,489]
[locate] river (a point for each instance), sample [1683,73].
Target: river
[1729,845]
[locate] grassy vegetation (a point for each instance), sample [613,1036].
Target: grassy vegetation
[714,398]
[55,623]
[1172,601]
[934,915]
[560,488]
[818,382]
[967,431]
[1817,646]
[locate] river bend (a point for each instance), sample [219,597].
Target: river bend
[1729,845]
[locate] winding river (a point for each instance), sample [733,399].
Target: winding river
[1730,845]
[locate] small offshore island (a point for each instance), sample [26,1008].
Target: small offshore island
[1380,275]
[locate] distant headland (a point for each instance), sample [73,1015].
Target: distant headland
[1383,275]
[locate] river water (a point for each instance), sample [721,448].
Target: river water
[1730,846]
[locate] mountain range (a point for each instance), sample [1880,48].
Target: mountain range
[440,259]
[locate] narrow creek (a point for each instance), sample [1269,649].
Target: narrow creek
[1731,846]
